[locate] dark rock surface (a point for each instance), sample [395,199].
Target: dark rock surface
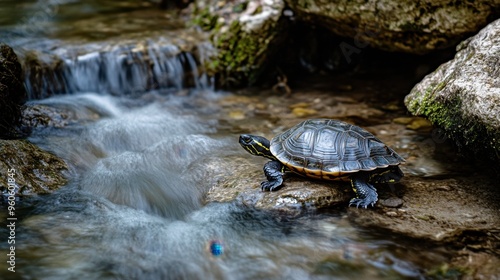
[409,26]
[12,93]
[251,35]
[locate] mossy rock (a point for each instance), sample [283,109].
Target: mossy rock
[29,169]
[245,34]
[463,95]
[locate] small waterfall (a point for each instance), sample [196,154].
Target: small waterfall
[123,69]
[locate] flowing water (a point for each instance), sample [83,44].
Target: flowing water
[133,207]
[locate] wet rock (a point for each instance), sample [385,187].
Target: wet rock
[476,265]
[243,184]
[408,26]
[443,188]
[42,116]
[243,32]
[250,35]
[448,216]
[44,74]
[12,93]
[29,169]
[38,115]
[463,95]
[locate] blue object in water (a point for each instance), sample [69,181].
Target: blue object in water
[216,248]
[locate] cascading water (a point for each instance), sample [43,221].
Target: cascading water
[167,58]
[134,155]
[134,207]
[118,70]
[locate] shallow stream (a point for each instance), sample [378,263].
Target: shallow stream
[134,207]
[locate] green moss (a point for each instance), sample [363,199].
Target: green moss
[440,86]
[240,7]
[242,55]
[445,113]
[466,131]
[258,10]
[205,19]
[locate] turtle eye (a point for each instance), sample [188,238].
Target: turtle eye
[246,138]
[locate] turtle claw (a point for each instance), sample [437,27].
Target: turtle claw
[270,186]
[364,203]
[274,176]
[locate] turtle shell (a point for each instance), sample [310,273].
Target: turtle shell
[330,149]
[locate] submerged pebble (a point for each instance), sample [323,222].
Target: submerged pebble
[419,124]
[303,112]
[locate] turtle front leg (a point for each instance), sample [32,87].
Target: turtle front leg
[366,194]
[274,173]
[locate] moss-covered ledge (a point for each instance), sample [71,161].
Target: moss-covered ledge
[463,95]
[244,33]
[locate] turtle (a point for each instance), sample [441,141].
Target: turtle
[328,149]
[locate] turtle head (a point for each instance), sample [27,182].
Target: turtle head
[256,145]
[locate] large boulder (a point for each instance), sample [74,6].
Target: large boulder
[251,36]
[12,93]
[463,95]
[408,26]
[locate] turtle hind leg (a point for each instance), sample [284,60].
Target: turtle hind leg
[366,194]
[274,175]
[390,175]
